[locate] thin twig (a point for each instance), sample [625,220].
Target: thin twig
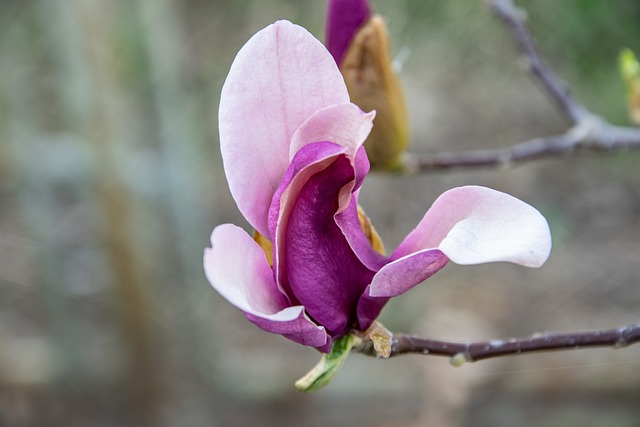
[556,88]
[474,351]
[588,132]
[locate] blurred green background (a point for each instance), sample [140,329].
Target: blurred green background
[111,182]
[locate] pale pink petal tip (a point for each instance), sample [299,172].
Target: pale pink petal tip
[344,124]
[279,78]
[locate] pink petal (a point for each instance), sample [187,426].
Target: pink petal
[343,124]
[349,223]
[238,269]
[473,225]
[276,82]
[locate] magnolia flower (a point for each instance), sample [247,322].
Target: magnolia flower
[292,146]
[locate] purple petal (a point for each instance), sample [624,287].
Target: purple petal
[323,271]
[395,279]
[237,268]
[362,166]
[349,223]
[294,324]
[276,82]
[473,225]
[403,274]
[369,309]
[344,17]
[310,160]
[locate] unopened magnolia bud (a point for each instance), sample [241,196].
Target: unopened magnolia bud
[373,85]
[630,70]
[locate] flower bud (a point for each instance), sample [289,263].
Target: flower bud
[374,85]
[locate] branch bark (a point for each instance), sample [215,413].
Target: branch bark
[589,135]
[588,132]
[474,351]
[559,92]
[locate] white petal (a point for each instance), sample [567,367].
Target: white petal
[473,225]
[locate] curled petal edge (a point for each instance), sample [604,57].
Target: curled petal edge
[294,324]
[475,225]
[467,225]
[399,276]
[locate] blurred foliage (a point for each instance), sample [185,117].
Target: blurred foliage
[582,39]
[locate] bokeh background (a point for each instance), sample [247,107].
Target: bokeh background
[111,182]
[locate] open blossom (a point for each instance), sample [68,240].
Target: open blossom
[292,145]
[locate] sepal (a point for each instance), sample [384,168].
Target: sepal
[328,366]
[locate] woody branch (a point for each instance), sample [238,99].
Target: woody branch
[474,351]
[588,132]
